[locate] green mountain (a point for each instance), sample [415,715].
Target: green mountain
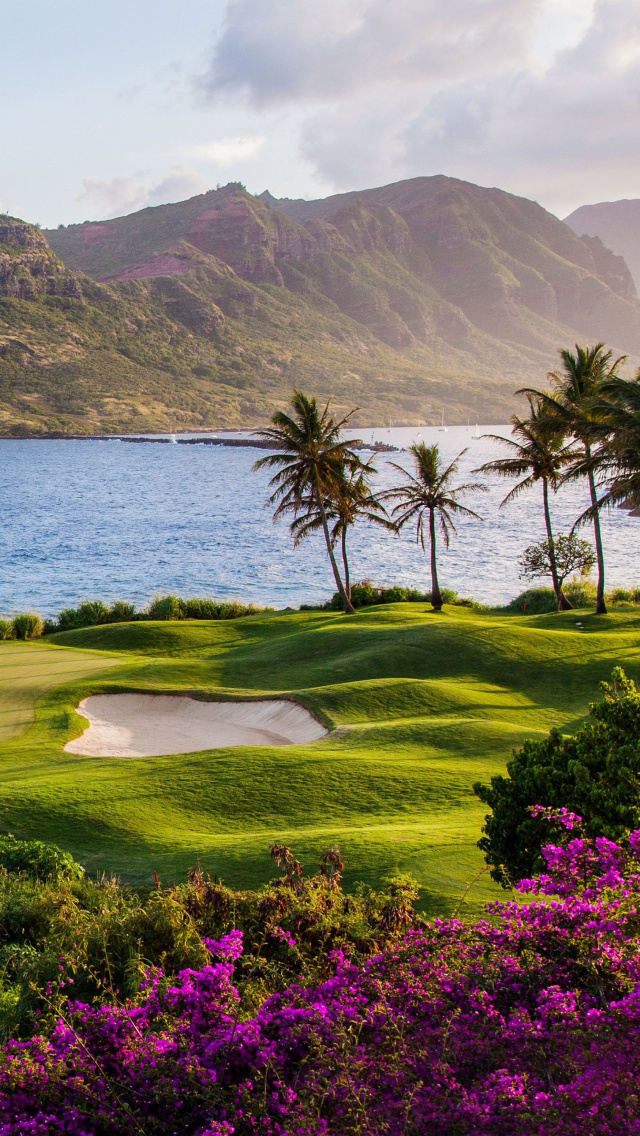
[617,224]
[423,295]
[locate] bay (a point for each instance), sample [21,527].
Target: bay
[114,520]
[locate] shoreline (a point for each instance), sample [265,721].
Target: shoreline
[174,439]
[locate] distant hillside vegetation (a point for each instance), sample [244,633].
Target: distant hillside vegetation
[617,223]
[425,294]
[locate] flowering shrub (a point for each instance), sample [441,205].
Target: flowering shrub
[596,771]
[526,1023]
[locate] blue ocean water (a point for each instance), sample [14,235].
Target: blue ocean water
[113,520]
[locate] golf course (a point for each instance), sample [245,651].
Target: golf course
[419,705]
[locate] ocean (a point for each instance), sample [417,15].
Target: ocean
[113,520]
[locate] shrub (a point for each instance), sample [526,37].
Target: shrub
[6,629]
[107,936]
[582,593]
[123,612]
[535,601]
[525,1023]
[28,625]
[94,612]
[165,607]
[174,607]
[595,773]
[37,860]
[366,594]
[538,601]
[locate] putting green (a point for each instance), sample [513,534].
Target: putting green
[420,706]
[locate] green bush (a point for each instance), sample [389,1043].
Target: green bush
[94,612]
[105,936]
[166,607]
[595,773]
[174,607]
[366,594]
[28,625]
[582,593]
[37,860]
[535,601]
[6,629]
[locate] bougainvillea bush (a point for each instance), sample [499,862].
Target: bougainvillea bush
[525,1023]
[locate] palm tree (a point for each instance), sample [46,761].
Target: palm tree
[352,498]
[619,413]
[428,493]
[579,387]
[311,458]
[538,454]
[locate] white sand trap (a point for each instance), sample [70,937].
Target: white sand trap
[146,725]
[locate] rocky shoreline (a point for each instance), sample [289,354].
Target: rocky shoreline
[238,443]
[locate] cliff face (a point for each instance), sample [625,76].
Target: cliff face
[617,224]
[28,267]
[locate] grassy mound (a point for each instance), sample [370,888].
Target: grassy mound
[421,705]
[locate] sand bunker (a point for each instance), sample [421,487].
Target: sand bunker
[146,725]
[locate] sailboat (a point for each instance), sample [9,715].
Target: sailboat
[443,429]
[476,436]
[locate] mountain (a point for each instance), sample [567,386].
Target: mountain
[617,224]
[424,294]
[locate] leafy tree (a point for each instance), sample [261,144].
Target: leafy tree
[538,454]
[312,460]
[567,554]
[595,773]
[427,494]
[575,407]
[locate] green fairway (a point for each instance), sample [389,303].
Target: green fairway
[420,705]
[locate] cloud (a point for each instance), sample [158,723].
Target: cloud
[330,48]
[539,96]
[126,194]
[226,151]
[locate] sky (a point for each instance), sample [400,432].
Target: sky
[108,107]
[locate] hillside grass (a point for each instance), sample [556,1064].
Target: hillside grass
[420,706]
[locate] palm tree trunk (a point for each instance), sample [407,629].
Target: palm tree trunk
[346,602]
[563,603]
[436,597]
[347,578]
[601,607]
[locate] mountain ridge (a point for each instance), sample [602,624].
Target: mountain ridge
[617,224]
[404,299]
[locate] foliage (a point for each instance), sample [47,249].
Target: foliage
[524,1023]
[533,601]
[106,935]
[28,625]
[596,772]
[581,592]
[6,629]
[38,861]
[366,594]
[618,415]
[94,613]
[314,467]
[569,554]
[429,499]
[579,385]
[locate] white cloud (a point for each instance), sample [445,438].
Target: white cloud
[538,96]
[126,194]
[226,151]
